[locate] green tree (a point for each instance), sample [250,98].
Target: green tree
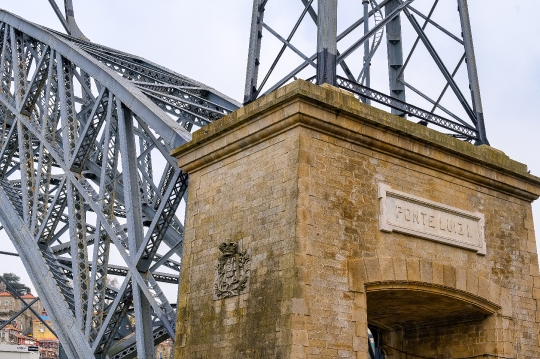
[14,281]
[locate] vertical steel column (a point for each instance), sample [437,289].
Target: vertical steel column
[102,241]
[255,39]
[367,59]
[71,23]
[25,136]
[128,150]
[395,54]
[463,9]
[327,42]
[79,253]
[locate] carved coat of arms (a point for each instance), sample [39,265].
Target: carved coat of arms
[232,272]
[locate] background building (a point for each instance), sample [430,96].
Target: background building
[164,350]
[10,305]
[49,344]
[10,334]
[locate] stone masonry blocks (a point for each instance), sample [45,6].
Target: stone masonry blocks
[293,179]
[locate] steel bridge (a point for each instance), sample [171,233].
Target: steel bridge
[86,133]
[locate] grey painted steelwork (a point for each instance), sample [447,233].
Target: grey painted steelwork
[463,9]
[326,59]
[463,131]
[255,40]
[367,60]
[326,42]
[394,45]
[85,170]
[73,29]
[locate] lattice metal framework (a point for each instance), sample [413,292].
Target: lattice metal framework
[364,35]
[86,174]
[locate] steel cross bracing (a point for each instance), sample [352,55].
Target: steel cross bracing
[86,175]
[417,41]
[24,306]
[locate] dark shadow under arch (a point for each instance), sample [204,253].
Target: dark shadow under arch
[397,305]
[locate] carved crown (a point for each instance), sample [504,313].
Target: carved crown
[228,249]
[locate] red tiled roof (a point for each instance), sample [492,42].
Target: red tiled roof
[28,296]
[5,294]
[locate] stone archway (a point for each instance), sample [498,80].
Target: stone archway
[393,305]
[429,309]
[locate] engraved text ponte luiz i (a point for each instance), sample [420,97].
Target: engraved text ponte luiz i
[405,213]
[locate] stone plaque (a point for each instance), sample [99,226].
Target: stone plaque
[232,271]
[405,213]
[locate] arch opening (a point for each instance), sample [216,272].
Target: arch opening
[413,307]
[426,320]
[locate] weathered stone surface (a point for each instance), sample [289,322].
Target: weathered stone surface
[293,179]
[416,216]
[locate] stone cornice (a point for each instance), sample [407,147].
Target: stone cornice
[339,114]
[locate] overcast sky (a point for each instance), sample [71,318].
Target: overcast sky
[207,40]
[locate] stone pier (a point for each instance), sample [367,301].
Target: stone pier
[312,216]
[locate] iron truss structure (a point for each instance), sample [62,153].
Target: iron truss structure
[362,37]
[86,177]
